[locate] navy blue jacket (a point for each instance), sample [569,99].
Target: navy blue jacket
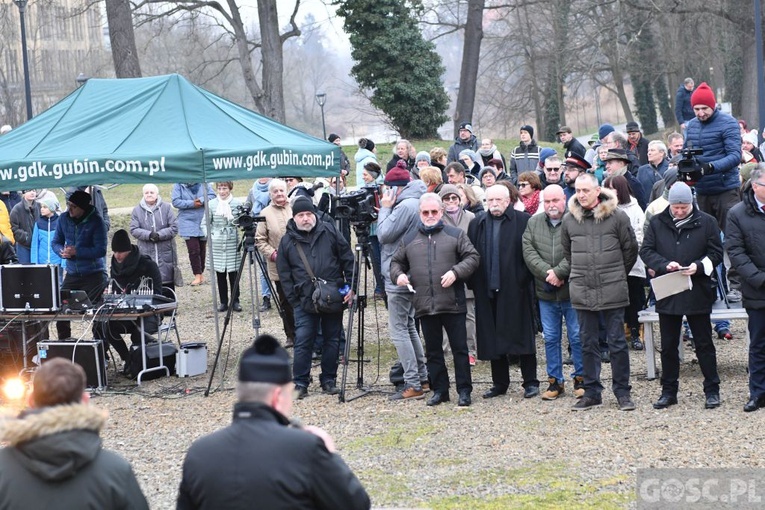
[683,108]
[88,235]
[720,137]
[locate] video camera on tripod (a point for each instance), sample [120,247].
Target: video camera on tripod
[358,207]
[243,217]
[689,169]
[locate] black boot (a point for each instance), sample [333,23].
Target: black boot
[266,304]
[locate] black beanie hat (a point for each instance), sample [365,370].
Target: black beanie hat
[266,361]
[302,204]
[80,198]
[121,241]
[528,129]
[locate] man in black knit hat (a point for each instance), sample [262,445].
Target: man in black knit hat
[263,457]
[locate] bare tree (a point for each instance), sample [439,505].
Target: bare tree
[122,38]
[267,95]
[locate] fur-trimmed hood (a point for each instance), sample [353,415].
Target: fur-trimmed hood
[55,442]
[607,206]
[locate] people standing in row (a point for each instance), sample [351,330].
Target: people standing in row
[268,235]
[601,248]
[503,293]
[435,260]
[189,199]
[683,238]
[226,252]
[154,226]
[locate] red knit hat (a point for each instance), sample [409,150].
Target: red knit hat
[703,95]
[398,175]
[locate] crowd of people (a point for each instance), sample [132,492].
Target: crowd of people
[488,249]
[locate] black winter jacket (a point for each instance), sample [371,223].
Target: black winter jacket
[745,242]
[260,462]
[426,255]
[23,217]
[328,254]
[696,240]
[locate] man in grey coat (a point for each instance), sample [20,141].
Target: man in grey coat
[601,248]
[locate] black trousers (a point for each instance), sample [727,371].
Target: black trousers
[432,329]
[500,371]
[93,284]
[223,286]
[288,321]
[701,327]
[756,353]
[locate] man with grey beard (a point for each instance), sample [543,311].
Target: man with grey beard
[503,294]
[318,244]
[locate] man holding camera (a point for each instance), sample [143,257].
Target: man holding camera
[719,135]
[313,248]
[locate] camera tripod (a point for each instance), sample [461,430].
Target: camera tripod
[251,255]
[362,261]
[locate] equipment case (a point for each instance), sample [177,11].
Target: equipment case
[89,354]
[29,288]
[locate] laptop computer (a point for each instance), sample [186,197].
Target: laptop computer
[75,301]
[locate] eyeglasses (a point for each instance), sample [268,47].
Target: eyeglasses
[451,198]
[552,169]
[523,184]
[430,212]
[758,183]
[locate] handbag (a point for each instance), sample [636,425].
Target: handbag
[325,296]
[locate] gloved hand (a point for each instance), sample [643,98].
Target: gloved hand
[707,168]
[154,236]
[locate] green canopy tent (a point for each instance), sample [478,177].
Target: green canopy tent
[157,129]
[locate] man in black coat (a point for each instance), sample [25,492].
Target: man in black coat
[638,144]
[330,258]
[570,144]
[683,109]
[746,248]
[129,268]
[682,238]
[503,288]
[262,460]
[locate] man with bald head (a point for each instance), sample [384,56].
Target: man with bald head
[503,293]
[543,253]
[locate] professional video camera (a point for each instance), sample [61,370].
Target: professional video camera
[359,206]
[243,217]
[689,170]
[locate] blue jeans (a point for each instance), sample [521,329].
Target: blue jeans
[306,327]
[264,290]
[552,314]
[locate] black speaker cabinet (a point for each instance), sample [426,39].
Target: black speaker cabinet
[28,288]
[89,354]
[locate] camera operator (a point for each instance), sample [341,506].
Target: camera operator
[719,135]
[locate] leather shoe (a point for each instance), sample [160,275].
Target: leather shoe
[301,392]
[437,398]
[713,401]
[754,404]
[236,306]
[223,307]
[464,400]
[664,402]
[329,388]
[494,392]
[531,392]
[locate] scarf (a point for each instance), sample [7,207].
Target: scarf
[493,229]
[531,202]
[224,208]
[680,222]
[488,152]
